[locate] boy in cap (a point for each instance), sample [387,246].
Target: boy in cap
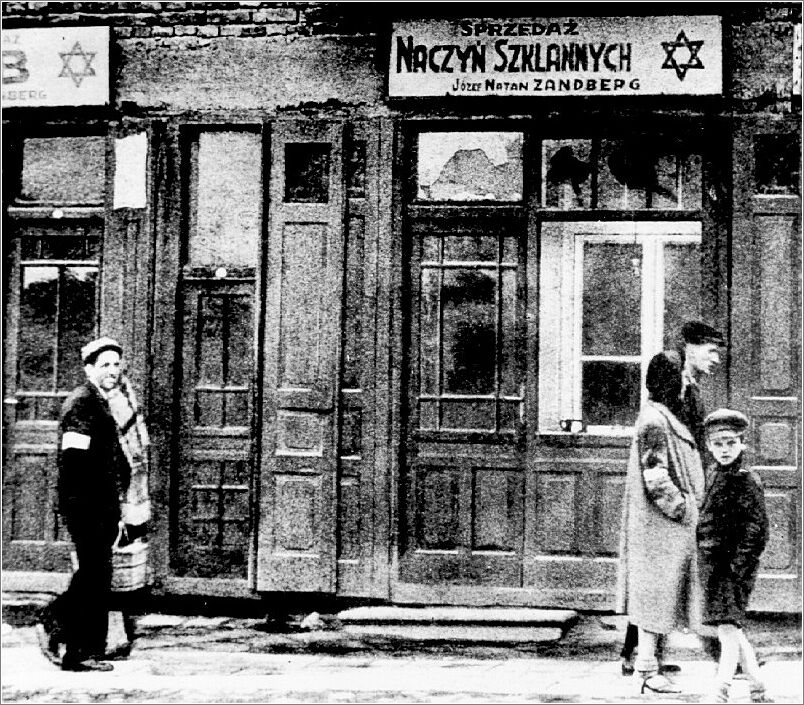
[94,476]
[731,534]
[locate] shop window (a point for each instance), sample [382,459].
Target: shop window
[63,170]
[307,172]
[469,166]
[613,294]
[226,212]
[57,227]
[469,379]
[777,160]
[623,174]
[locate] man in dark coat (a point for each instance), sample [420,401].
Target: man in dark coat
[700,354]
[93,477]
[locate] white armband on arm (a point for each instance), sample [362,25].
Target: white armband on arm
[77,441]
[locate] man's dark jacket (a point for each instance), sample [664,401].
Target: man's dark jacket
[93,471]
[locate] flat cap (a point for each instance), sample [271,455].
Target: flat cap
[700,333]
[726,420]
[91,350]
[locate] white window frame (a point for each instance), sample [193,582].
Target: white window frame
[561,309]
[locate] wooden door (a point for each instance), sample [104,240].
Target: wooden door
[766,338]
[463,501]
[212,490]
[54,183]
[302,344]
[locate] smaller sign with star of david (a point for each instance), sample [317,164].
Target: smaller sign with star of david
[55,66]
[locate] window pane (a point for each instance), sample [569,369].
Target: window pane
[428,332]
[611,299]
[307,173]
[37,337]
[228,203]
[778,164]
[468,248]
[682,289]
[63,169]
[469,315]
[610,393]
[77,303]
[509,372]
[463,415]
[470,166]
[691,182]
[567,169]
[664,193]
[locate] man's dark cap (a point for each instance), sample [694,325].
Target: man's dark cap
[700,333]
[90,352]
[726,420]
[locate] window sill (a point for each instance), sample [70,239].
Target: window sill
[560,439]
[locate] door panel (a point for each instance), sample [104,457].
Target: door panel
[214,484]
[766,336]
[298,511]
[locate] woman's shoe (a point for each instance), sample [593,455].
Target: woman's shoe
[658,684]
[627,667]
[721,694]
[669,668]
[758,695]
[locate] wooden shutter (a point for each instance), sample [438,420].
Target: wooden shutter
[765,334]
[296,538]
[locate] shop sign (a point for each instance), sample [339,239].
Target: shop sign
[55,66]
[557,56]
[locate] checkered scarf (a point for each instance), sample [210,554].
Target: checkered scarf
[133,436]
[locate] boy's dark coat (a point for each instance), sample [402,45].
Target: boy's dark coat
[732,532]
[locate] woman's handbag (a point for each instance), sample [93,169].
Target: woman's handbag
[129,564]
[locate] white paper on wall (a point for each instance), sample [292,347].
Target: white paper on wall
[130,171]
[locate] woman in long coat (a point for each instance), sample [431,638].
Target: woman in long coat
[664,485]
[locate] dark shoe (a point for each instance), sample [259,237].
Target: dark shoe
[48,644]
[627,667]
[89,664]
[118,654]
[669,668]
[658,684]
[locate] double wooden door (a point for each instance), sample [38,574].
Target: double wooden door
[274,470]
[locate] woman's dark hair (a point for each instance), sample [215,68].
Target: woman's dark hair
[663,380]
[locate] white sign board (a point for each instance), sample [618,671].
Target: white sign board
[557,56]
[55,66]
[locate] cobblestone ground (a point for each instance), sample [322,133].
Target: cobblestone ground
[235,660]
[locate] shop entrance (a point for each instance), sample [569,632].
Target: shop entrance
[536,298]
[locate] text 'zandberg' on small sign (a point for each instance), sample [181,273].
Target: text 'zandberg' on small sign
[563,56]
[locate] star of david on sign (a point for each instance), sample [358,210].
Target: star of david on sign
[681,42]
[77,54]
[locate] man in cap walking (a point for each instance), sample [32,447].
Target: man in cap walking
[94,475]
[701,344]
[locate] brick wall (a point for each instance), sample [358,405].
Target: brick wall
[759,68]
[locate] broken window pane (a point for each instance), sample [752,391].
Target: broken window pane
[567,169]
[469,166]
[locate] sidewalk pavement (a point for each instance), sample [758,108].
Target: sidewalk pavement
[205,659]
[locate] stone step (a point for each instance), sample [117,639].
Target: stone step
[458,624]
